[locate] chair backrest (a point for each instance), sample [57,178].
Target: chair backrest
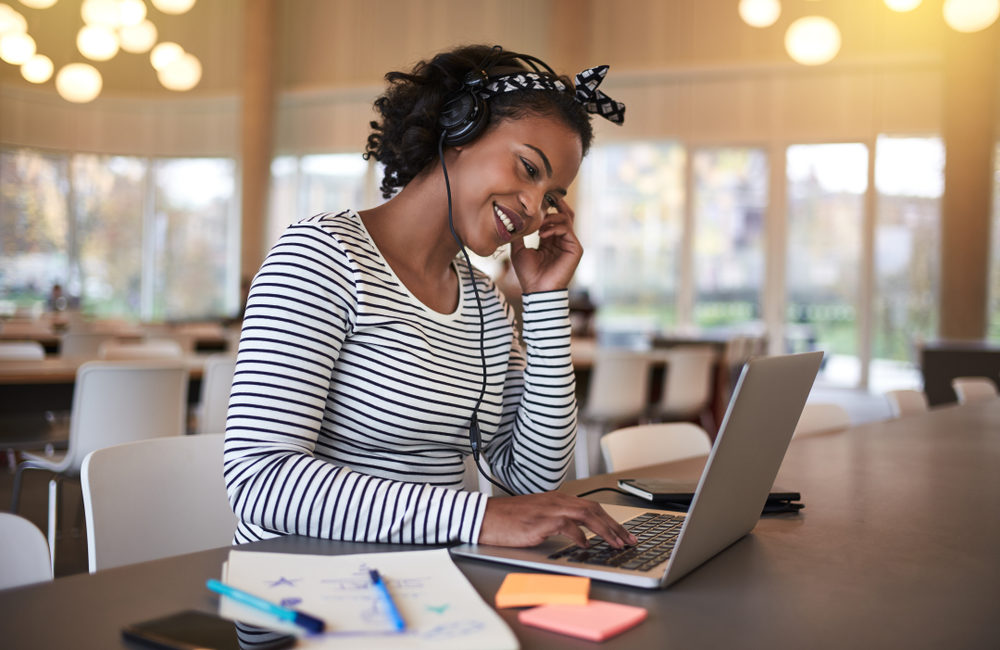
[216,384]
[619,384]
[155,498]
[973,389]
[24,553]
[148,349]
[123,401]
[650,444]
[687,382]
[906,401]
[21,351]
[82,345]
[821,417]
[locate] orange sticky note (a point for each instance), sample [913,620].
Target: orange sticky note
[526,589]
[596,621]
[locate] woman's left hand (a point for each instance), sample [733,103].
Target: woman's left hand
[552,264]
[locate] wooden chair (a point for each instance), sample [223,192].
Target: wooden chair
[906,401]
[974,389]
[651,444]
[687,384]
[618,394]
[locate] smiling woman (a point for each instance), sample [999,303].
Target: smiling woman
[374,359]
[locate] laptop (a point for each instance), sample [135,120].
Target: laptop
[727,504]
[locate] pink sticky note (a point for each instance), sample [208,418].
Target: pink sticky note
[597,620]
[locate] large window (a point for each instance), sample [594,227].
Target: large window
[302,187]
[34,226]
[826,185]
[909,178]
[127,237]
[630,220]
[729,202]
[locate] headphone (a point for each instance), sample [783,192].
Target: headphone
[465,114]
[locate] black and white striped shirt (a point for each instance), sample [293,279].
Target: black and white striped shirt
[351,400]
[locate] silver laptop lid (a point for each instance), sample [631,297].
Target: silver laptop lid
[745,458]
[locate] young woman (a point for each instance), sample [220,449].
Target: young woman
[374,358]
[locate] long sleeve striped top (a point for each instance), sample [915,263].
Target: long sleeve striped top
[351,401]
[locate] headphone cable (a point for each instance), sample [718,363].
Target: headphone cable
[475,434]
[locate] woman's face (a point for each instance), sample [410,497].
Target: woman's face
[505,182]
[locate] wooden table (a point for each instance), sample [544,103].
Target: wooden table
[31,389]
[897,547]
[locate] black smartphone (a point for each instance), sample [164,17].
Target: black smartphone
[192,629]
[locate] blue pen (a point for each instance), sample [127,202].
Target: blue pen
[390,606]
[311,623]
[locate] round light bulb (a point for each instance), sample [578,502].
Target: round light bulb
[970,15]
[16,47]
[37,69]
[760,13]
[182,73]
[902,6]
[812,40]
[173,6]
[131,12]
[165,53]
[11,20]
[38,4]
[138,38]
[97,42]
[79,82]
[100,12]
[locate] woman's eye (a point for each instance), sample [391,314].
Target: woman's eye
[552,203]
[528,167]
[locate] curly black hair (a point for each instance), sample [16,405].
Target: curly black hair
[406,138]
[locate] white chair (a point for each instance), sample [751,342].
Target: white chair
[155,498]
[618,394]
[148,349]
[687,383]
[974,389]
[906,401]
[216,384]
[651,444]
[820,417]
[82,345]
[113,402]
[21,351]
[24,553]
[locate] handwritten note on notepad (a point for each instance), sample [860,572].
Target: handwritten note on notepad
[528,589]
[439,606]
[596,621]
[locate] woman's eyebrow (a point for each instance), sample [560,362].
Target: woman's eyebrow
[545,159]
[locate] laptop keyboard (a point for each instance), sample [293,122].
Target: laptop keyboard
[656,533]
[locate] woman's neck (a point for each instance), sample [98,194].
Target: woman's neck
[411,231]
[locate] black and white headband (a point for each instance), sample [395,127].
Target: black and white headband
[585,90]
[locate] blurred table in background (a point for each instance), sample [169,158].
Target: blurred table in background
[942,361]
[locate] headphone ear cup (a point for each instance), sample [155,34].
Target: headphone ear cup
[463,118]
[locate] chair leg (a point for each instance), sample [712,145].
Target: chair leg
[55,486]
[15,499]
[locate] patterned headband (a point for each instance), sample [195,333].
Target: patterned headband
[585,90]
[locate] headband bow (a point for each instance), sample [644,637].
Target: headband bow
[593,99]
[585,90]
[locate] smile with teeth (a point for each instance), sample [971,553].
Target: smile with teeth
[503,219]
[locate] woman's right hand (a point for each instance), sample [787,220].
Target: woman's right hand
[528,519]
